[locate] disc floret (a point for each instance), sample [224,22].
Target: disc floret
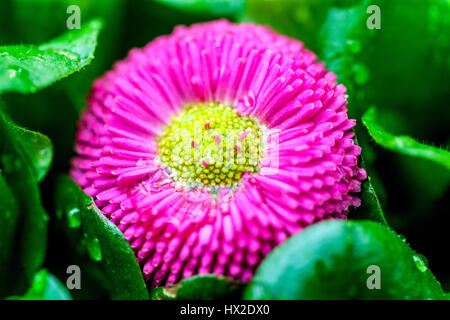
[210,145]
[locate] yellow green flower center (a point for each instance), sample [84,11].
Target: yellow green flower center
[210,144]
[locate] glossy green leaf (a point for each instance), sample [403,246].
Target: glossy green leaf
[37,148]
[332,260]
[403,144]
[23,160]
[45,286]
[200,287]
[27,21]
[104,242]
[28,68]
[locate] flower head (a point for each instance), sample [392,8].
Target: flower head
[212,145]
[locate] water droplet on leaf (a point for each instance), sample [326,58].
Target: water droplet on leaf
[71,55]
[73,218]
[421,262]
[94,249]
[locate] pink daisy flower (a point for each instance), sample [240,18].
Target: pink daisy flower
[211,146]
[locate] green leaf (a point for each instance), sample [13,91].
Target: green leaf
[345,43]
[45,286]
[206,7]
[330,260]
[403,144]
[37,148]
[370,207]
[337,31]
[200,287]
[9,213]
[104,241]
[28,68]
[27,21]
[23,160]
[363,59]
[417,70]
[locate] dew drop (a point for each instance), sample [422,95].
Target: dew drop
[402,237]
[14,71]
[421,262]
[45,153]
[71,55]
[94,249]
[74,218]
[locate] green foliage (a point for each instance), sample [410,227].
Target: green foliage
[201,287]
[28,68]
[402,68]
[409,67]
[24,159]
[403,144]
[330,261]
[104,242]
[370,208]
[8,220]
[335,30]
[44,286]
[38,148]
[297,18]
[206,7]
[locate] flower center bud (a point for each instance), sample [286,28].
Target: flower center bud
[210,145]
